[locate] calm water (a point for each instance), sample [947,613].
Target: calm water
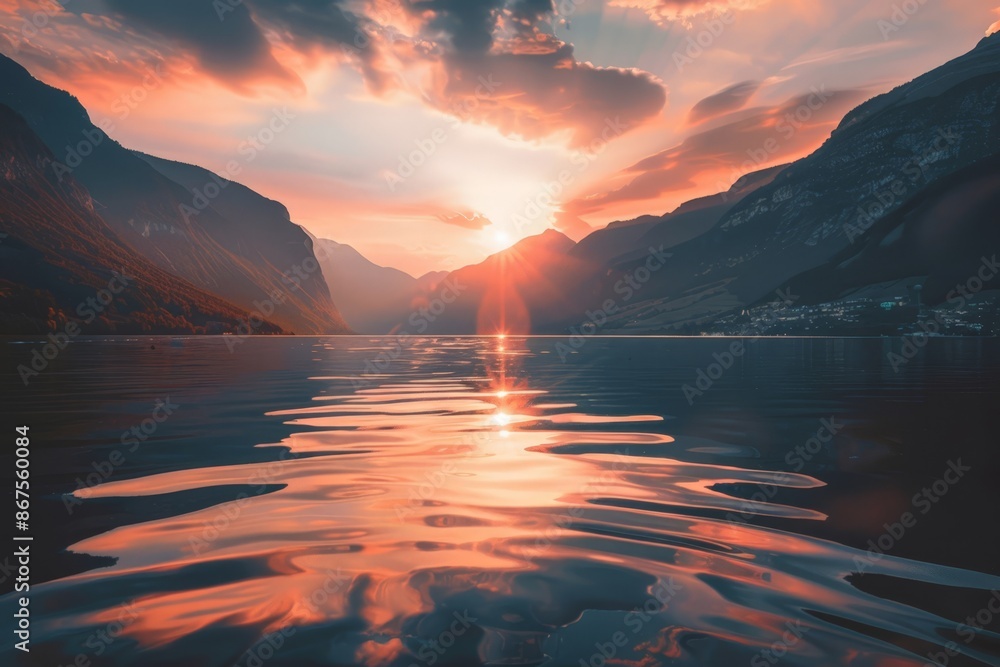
[478,501]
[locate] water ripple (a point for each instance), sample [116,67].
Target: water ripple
[447,514]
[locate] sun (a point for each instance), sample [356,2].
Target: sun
[502,239]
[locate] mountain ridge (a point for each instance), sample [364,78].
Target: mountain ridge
[820,204]
[244,264]
[59,255]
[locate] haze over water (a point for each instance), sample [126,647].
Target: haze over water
[481,501]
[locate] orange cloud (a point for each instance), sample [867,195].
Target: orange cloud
[749,141]
[665,11]
[222,37]
[535,95]
[726,100]
[485,61]
[491,63]
[464,219]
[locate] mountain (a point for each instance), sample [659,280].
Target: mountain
[944,230]
[503,293]
[941,235]
[544,280]
[431,280]
[691,219]
[371,297]
[904,188]
[63,269]
[902,194]
[217,235]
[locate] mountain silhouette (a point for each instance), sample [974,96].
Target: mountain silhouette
[223,238]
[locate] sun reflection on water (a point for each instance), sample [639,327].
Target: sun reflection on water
[458,486]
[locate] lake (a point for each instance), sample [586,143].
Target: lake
[511,501]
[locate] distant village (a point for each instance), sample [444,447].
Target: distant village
[978,315]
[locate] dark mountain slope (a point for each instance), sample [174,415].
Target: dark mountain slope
[507,292]
[262,227]
[59,259]
[885,154]
[244,259]
[941,236]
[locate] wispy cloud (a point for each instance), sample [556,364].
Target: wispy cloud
[664,11]
[745,142]
[728,99]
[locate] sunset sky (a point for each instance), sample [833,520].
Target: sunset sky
[512,115]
